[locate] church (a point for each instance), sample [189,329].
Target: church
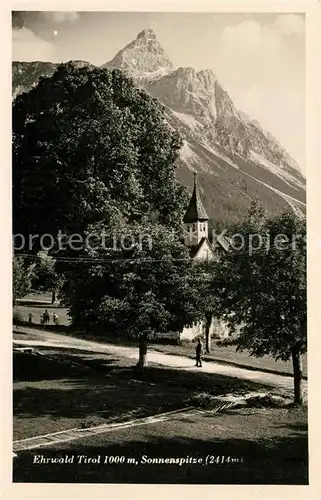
[197,241]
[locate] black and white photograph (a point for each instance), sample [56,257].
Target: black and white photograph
[159,249]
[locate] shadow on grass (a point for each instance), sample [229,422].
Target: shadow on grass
[38,303]
[52,328]
[283,460]
[73,386]
[195,381]
[79,399]
[37,367]
[297,429]
[64,363]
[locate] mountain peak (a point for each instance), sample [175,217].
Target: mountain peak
[147,34]
[142,56]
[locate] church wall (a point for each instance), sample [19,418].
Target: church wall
[219,329]
[190,332]
[166,336]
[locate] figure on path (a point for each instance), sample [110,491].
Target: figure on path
[46,317]
[30,318]
[199,352]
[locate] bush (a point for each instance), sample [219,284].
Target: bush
[17,317]
[203,400]
[266,401]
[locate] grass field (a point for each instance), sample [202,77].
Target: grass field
[60,389]
[271,446]
[37,303]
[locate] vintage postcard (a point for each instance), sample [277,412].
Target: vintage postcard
[159,162]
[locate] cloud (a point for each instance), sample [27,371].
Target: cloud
[251,37]
[26,46]
[262,65]
[290,24]
[17,18]
[59,16]
[29,19]
[276,111]
[263,39]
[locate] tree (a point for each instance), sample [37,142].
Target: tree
[93,154]
[208,299]
[262,290]
[84,141]
[147,289]
[45,278]
[22,273]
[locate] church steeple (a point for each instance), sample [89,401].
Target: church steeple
[196,211]
[195,219]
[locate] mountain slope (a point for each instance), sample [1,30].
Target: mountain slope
[236,158]
[26,75]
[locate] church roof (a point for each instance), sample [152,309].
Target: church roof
[196,211]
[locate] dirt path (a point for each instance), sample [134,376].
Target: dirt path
[51,339]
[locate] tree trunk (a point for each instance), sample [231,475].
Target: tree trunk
[207,334]
[297,373]
[142,362]
[53,297]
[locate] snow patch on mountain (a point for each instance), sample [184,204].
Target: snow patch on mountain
[150,76]
[277,170]
[298,207]
[187,153]
[223,157]
[188,120]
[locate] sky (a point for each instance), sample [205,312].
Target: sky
[258,58]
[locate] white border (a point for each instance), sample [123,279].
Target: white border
[313,81]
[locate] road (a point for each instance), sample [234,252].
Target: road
[47,338]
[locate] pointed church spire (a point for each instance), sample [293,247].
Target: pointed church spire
[196,211]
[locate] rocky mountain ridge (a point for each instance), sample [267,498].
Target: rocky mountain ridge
[236,158]
[198,94]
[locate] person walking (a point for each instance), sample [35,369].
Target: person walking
[199,352]
[30,318]
[55,319]
[46,317]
